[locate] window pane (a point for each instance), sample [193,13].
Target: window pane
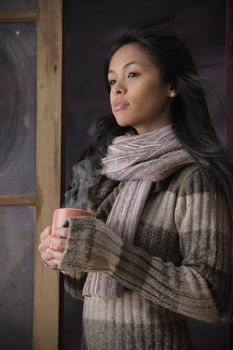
[17,108]
[15,5]
[16,277]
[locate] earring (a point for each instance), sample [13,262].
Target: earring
[172,94]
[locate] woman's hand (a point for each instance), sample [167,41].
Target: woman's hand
[52,247]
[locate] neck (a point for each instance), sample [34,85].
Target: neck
[148,130]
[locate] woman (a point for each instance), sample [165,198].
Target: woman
[158,250]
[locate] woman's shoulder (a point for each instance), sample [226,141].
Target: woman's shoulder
[186,180]
[193,179]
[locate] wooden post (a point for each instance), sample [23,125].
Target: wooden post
[48,168]
[18,16]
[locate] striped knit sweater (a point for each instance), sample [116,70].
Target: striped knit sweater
[176,268]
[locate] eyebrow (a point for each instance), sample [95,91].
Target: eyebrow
[126,65]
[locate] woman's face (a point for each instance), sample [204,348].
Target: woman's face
[144,100]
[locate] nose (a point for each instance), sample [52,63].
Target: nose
[119,88]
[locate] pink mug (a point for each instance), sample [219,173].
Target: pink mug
[61,214]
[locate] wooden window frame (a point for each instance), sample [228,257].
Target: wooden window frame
[47,283]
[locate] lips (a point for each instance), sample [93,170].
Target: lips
[118,105]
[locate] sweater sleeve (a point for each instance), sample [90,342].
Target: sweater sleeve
[75,280]
[197,287]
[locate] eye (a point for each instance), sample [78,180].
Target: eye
[110,82]
[134,73]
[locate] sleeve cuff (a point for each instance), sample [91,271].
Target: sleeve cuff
[91,246]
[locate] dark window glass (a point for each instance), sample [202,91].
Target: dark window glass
[16,277]
[14,5]
[17,108]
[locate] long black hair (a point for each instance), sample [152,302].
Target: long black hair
[191,121]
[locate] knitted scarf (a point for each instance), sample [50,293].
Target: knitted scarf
[138,160]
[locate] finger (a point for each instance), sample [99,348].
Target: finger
[55,254]
[58,243]
[61,232]
[54,263]
[50,261]
[45,232]
[46,256]
[45,243]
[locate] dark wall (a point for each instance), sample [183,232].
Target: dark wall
[89,27]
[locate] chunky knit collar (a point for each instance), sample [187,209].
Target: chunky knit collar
[151,156]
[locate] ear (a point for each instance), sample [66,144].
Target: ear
[172,92]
